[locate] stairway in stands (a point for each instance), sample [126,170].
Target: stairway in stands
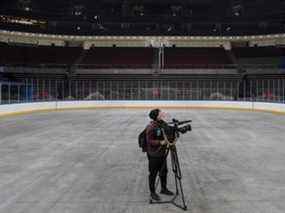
[72,68]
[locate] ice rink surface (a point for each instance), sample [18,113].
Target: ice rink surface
[89,161]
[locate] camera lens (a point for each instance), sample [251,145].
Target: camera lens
[185,129]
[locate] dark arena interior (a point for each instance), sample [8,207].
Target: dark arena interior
[78,79]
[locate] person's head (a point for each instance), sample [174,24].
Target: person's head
[156,114]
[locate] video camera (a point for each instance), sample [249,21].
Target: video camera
[183,129]
[174,128]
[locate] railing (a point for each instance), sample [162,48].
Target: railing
[147,66]
[37,90]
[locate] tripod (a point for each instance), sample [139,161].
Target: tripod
[178,179]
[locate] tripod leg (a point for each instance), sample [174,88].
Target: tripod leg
[174,169]
[178,176]
[182,195]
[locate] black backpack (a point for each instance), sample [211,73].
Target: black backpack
[143,141]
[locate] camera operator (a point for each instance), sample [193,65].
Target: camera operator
[157,154]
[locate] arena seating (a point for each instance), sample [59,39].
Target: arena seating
[99,57]
[140,57]
[196,58]
[119,57]
[270,56]
[28,55]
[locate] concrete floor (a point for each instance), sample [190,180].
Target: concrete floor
[89,161]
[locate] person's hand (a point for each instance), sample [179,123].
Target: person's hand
[162,142]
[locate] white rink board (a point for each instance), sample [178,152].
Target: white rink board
[65,105]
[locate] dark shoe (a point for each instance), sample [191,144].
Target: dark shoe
[155,196]
[166,192]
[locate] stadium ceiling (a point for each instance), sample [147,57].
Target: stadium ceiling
[257,8]
[145,17]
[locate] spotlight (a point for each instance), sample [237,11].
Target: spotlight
[237,7]
[176,10]
[25,5]
[237,14]
[78,10]
[138,10]
[27,9]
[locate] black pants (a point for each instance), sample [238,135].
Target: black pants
[157,165]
